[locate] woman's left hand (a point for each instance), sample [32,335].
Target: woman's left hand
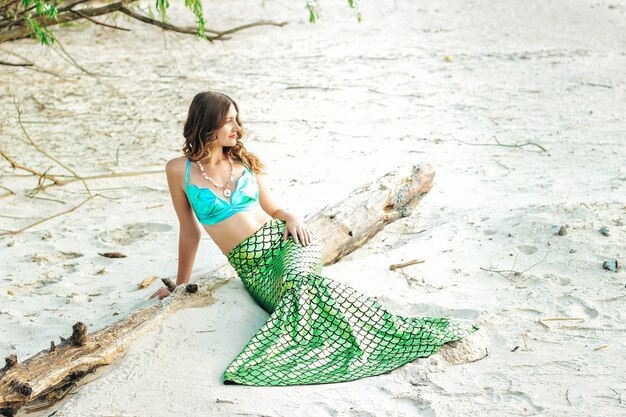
[161,293]
[297,229]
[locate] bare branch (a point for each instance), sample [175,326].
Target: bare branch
[33,144]
[15,165]
[14,232]
[71,5]
[65,16]
[68,58]
[516,145]
[99,23]
[193,30]
[17,29]
[11,64]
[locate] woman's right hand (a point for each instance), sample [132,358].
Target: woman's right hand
[161,293]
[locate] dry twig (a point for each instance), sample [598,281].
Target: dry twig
[542,321]
[40,150]
[14,232]
[481,358]
[512,271]
[525,345]
[10,191]
[619,396]
[411,281]
[613,298]
[393,267]
[219,35]
[516,145]
[68,58]
[13,64]
[84,16]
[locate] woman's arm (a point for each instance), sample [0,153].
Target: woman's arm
[293,225]
[188,242]
[190,233]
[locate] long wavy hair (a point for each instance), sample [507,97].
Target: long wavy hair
[207,113]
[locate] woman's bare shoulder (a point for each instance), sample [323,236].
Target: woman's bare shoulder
[238,161]
[176,165]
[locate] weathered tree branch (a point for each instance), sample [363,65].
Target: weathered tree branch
[12,64]
[23,31]
[70,6]
[14,232]
[194,30]
[30,65]
[39,149]
[368,209]
[67,14]
[83,15]
[57,181]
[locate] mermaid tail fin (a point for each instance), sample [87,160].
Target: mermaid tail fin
[324,331]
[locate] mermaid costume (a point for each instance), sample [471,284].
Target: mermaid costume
[318,330]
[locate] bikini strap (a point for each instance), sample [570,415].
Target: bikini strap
[187,172]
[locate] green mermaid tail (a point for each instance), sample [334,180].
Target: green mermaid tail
[320,330]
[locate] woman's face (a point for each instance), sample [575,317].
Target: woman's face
[227,134]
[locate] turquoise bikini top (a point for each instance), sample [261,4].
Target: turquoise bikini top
[211,209]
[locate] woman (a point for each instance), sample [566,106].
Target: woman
[319,330]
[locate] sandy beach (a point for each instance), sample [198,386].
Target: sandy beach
[519,107]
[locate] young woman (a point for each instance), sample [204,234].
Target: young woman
[318,330]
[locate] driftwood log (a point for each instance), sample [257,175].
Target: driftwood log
[340,229]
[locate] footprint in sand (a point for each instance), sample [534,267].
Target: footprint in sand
[513,399]
[131,233]
[575,307]
[527,249]
[498,390]
[321,408]
[557,280]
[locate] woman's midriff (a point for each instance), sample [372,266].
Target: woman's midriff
[232,231]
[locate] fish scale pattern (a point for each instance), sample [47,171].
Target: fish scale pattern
[320,330]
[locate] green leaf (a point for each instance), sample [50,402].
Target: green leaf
[354,4]
[162,6]
[196,7]
[41,33]
[313,9]
[47,9]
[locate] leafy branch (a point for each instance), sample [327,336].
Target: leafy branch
[32,18]
[313,7]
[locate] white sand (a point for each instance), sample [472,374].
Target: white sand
[328,107]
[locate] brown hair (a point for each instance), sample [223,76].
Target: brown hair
[207,113]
